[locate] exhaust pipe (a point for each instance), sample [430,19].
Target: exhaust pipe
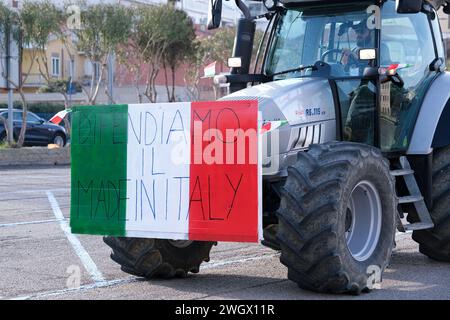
[243,45]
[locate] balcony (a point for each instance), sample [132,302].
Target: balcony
[33,80]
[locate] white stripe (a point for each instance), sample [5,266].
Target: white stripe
[32,191]
[213,264]
[5,225]
[158,158]
[105,284]
[260,174]
[79,289]
[84,256]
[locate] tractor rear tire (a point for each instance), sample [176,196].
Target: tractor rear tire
[328,243]
[154,258]
[435,243]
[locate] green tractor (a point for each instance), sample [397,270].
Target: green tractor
[365,153]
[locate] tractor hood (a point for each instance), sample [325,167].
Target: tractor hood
[298,101]
[306,104]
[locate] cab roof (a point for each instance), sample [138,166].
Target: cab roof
[435,3]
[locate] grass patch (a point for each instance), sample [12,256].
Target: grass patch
[5,145]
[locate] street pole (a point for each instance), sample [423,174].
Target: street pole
[8,86]
[111,78]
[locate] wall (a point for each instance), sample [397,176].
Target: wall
[36,156]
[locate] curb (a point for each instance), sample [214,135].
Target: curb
[34,156]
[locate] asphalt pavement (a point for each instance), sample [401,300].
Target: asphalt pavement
[40,259]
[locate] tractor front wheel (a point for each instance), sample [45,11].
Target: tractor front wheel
[337,219]
[154,258]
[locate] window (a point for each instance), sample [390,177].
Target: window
[406,40]
[304,36]
[17,116]
[31,118]
[55,66]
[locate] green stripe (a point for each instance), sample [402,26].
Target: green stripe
[99,170]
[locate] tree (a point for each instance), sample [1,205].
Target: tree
[104,27]
[41,20]
[142,49]
[162,39]
[10,24]
[149,37]
[195,62]
[180,36]
[220,45]
[217,47]
[131,57]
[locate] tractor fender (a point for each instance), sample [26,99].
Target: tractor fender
[432,129]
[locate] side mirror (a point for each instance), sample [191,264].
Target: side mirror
[409,6]
[391,75]
[370,73]
[235,62]
[447,9]
[214,14]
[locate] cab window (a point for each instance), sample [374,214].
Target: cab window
[332,34]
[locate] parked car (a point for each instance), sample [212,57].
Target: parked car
[39,131]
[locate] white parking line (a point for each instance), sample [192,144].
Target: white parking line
[84,256]
[33,191]
[110,283]
[214,264]
[102,284]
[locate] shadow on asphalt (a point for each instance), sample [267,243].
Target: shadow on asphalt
[402,280]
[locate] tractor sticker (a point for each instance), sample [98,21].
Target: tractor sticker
[313,112]
[310,112]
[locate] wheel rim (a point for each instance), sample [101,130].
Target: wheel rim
[59,141]
[181,244]
[363,221]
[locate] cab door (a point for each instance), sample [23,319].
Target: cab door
[411,50]
[356,95]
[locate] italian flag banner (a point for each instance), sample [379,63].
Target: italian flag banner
[181,171]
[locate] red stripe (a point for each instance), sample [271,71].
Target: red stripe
[393,66]
[224,197]
[56,119]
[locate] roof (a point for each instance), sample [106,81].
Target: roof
[435,3]
[319,1]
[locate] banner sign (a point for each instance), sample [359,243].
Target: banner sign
[180,171]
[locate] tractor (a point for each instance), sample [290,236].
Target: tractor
[365,153]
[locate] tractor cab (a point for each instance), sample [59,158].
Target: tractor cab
[379,58]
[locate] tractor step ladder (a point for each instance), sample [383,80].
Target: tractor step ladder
[415,197]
